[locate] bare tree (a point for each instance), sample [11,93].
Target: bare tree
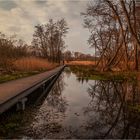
[114,33]
[10,50]
[48,39]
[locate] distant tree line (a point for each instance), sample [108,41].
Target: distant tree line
[115,33]
[70,56]
[10,50]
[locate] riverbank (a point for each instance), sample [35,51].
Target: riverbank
[25,67]
[90,73]
[16,75]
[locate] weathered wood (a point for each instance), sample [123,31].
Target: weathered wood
[11,92]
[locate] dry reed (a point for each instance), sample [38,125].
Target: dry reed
[80,63]
[33,64]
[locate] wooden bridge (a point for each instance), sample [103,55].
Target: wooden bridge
[16,91]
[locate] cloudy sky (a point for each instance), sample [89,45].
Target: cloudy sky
[20,16]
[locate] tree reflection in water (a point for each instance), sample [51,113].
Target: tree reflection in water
[113,107]
[55,99]
[46,118]
[76,108]
[82,79]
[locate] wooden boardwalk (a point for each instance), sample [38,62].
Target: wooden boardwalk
[13,88]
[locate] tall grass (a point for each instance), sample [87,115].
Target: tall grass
[33,64]
[84,63]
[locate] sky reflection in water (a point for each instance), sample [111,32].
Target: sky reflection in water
[78,108]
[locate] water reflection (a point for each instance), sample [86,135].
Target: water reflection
[55,98]
[113,103]
[82,79]
[95,109]
[47,118]
[80,108]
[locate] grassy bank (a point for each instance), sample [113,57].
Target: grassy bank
[25,67]
[90,73]
[13,123]
[10,124]
[16,75]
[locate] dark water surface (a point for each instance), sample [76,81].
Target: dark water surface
[78,108]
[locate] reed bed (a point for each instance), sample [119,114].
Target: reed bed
[33,64]
[81,63]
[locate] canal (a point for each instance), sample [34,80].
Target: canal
[80,108]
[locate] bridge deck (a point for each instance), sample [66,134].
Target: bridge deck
[11,89]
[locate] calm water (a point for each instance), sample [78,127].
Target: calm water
[78,108]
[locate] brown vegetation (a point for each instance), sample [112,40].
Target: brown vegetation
[10,50]
[33,64]
[83,63]
[45,52]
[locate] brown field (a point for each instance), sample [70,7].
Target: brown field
[33,64]
[80,63]
[120,67]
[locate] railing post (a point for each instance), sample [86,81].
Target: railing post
[21,104]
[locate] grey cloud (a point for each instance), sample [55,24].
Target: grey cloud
[31,12]
[14,28]
[40,2]
[7,5]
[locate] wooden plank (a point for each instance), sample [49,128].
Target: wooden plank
[14,88]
